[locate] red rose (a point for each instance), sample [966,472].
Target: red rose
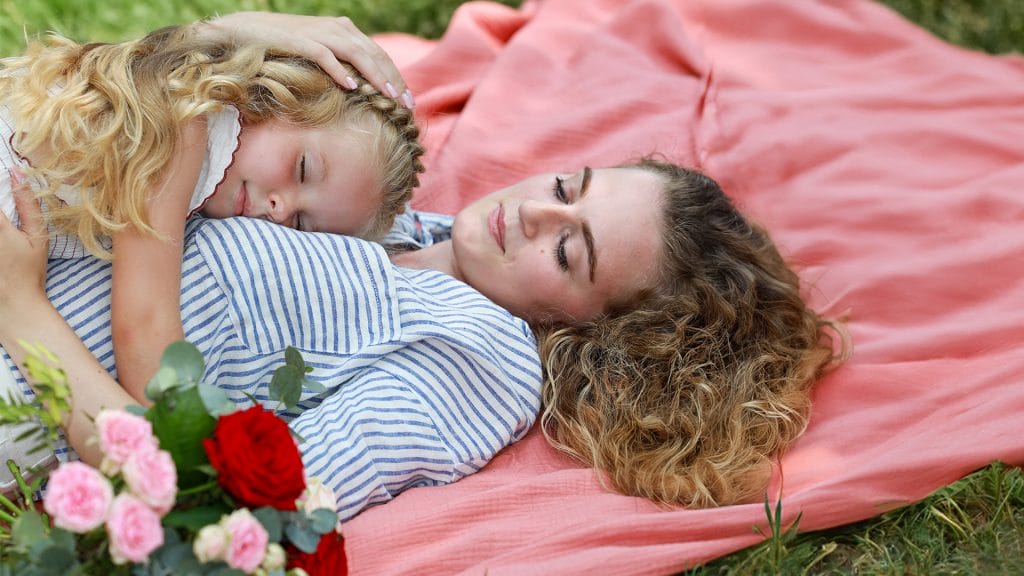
[256,459]
[328,560]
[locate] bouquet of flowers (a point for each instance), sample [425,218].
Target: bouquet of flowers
[191,485]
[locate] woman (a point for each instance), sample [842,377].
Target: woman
[677,353]
[681,378]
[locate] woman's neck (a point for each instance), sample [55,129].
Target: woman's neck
[440,257]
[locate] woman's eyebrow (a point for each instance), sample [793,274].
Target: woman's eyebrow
[588,240]
[587,173]
[588,236]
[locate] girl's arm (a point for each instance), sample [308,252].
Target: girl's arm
[145,294]
[26,314]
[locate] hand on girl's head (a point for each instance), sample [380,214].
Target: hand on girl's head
[325,40]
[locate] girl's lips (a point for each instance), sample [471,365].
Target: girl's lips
[241,200]
[496,224]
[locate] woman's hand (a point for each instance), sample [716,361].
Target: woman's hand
[22,252]
[324,40]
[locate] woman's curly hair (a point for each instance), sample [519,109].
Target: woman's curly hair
[107,117]
[686,394]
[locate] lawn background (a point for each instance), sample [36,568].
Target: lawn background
[975,526]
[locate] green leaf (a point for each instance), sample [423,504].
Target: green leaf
[135,409]
[271,520]
[313,385]
[292,357]
[28,528]
[216,400]
[195,518]
[323,520]
[63,539]
[176,556]
[57,560]
[303,537]
[165,379]
[181,422]
[186,360]
[286,385]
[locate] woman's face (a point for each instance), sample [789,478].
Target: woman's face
[563,247]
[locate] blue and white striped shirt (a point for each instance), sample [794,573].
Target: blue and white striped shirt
[427,379]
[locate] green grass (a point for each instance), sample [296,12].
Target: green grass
[975,526]
[113,20]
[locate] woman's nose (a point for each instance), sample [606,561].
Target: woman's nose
[536,216]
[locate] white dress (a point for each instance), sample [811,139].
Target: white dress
[221,143]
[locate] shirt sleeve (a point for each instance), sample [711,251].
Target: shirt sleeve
[372,439]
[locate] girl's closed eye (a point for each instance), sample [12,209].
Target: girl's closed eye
[302,169]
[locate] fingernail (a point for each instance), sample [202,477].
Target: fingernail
[391,90]
[351,83]
[408,100]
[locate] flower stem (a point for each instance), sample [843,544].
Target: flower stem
[197,489]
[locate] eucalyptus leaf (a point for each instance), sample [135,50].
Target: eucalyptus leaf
[56,560]
[186,360]
[166,378]
[286,385]
[302,536]
[271,521]
[135,409]
[292,357]
[175,556]
[323,520]
[28,528]
[63,538]
[313,385]
[215,400]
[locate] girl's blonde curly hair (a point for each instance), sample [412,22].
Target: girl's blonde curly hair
[106,118]
[686,394]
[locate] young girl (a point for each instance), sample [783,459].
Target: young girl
[125,141]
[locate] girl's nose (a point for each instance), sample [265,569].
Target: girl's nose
[279,208]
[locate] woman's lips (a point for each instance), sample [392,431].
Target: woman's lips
[241,200]
[496,224]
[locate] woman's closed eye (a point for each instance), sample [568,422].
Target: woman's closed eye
[559,191]
[560,256]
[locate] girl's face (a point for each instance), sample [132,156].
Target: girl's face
[563,247]
[313,179]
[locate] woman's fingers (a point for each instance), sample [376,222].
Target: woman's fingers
[324,40]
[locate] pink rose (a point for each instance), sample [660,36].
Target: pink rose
[77,497]
[122,434]
[152,477]
[133,529]
[248,540]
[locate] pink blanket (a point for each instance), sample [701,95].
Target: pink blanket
[888,165]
